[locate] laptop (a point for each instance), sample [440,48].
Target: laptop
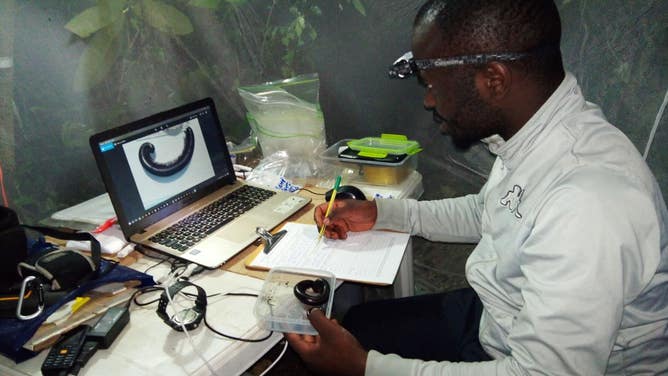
[173,187]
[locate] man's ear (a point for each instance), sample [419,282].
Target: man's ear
[494,81]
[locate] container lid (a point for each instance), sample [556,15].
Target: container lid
[277,307]
[335,152]
[380,147]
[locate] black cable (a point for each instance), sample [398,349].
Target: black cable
[147,289]
[174,269]
[153,266]
[239,294]
[195,295]
[149,253]
[237,338]
[143,290]
[199,269]
[310,191]
[233,337]
[173,261]
[178,263]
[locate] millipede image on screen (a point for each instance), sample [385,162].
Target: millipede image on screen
[147,157]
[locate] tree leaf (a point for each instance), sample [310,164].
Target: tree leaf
[97,59]
[209,4]
[166,18]
[114,6]
[359,7]
[93,19]
[299,26]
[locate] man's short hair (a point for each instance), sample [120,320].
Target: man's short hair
[493,26]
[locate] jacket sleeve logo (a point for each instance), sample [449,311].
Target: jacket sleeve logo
[512,200]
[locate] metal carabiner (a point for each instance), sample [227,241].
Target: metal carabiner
[40,297]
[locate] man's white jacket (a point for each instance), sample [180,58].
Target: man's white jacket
[572,256]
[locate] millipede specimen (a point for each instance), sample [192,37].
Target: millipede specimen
[147,157]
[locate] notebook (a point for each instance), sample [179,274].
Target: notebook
[172,185]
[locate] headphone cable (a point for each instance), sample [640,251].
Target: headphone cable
[261,339]
[183,326]
[285,347]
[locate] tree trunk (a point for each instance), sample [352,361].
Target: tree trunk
[7,147]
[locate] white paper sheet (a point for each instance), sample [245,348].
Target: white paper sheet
[95,211]
[369,256]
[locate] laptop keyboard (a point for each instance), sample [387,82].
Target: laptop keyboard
[195,227]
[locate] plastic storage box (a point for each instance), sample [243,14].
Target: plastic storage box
[410,187]
[277,307]
[383,169]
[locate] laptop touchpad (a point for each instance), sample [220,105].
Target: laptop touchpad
[241,230]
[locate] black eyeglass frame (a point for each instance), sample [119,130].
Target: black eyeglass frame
[406,66]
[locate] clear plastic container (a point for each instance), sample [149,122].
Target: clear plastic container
[411,187]
[370,171]
[277,307]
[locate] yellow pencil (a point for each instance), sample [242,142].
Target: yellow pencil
[329,206]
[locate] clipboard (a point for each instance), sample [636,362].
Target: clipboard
[371,257]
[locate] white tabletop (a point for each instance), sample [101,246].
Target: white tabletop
[147,346]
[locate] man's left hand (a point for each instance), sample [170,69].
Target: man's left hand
[333,352]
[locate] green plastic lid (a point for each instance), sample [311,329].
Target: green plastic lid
[387,143]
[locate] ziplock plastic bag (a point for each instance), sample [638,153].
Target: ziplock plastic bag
[285,115]
[280,171]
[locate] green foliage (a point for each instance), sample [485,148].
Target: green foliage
[166,18]
[299,31]
[357,4]
[95,18]
[97,59]
[295,34]
[142,56]
[210,4]
[104,24]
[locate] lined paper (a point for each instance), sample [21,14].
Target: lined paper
[369,256]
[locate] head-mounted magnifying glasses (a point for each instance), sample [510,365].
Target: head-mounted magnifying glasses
[406,66]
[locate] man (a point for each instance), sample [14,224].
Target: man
[570,272]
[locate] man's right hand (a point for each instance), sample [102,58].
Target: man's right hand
[334,351]
[346,215]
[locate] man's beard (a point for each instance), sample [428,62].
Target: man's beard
[473,119]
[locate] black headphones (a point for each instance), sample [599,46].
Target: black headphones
[199,310]
[312,292]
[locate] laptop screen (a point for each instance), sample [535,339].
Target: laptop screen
[157,165]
